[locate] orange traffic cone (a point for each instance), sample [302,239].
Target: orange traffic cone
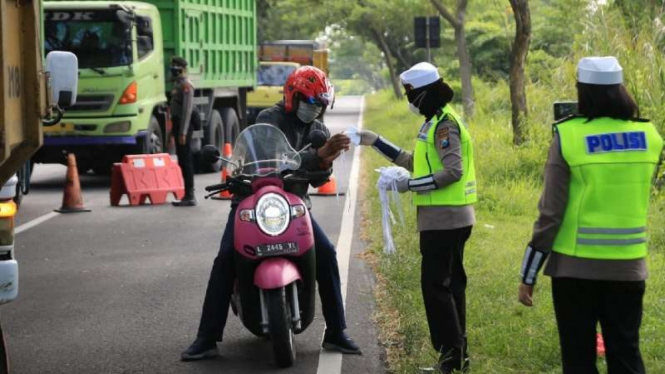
[600,345]
[72,201]
[328,189]
[228,152]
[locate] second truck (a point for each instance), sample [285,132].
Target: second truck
[124,49]
[278,59]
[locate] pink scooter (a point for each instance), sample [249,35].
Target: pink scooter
[275,259]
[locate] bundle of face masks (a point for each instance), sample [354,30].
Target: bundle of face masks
[388,182]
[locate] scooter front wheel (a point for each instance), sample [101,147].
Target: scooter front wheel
[281,327]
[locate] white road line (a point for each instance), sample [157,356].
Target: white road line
[37,221]
[331,362]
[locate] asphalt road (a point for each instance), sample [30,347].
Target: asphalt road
[120,289]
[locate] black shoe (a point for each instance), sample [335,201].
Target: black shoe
[185,202]
[450,365]
[202,348]
[339,341]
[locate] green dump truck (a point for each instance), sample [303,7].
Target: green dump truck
[124,49]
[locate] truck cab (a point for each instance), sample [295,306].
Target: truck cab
[124,49]
[121,81]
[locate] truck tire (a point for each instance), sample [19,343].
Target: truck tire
[281,327]
[23,186]
[212,134]
[154,140]
[231,125]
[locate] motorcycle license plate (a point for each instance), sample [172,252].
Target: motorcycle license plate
[276,249]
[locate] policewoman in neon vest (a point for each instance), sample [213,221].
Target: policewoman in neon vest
[444,190]
[593,222]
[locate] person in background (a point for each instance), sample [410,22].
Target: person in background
[444,190]
[182,106]
[593,222]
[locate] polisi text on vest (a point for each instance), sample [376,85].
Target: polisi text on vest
[617,142]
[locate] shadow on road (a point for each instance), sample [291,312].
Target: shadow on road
[53,182]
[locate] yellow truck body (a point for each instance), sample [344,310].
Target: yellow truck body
[277,60]
[23,101]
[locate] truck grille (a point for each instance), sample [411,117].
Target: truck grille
[92,103]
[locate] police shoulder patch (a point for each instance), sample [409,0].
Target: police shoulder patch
[443,136]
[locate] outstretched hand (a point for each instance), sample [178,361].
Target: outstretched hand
[334,146]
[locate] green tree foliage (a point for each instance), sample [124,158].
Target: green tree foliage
[286,19]
[352,58]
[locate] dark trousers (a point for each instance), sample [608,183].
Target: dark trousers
[222,276]
[443,282]
[185,158]
[579,305]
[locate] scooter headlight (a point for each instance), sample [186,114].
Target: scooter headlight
[273,214]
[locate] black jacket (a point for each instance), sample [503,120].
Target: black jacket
[297,133]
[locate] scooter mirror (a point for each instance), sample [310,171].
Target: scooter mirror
[210,153]
[317,138]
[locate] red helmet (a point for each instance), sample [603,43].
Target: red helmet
[311,85]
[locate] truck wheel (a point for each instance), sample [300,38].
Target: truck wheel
[281,327]
[231,125]
[213,134]
[18,196]
[4,354]
[23,185]
[154,140]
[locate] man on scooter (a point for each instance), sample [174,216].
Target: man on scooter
[307,93]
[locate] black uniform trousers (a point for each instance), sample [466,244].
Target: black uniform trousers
[443,282]
[220,285]
[185,157]
[579,304]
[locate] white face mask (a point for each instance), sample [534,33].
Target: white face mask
[308,112]
[415,109]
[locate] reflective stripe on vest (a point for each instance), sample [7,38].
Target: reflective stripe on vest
[612,164]
[426,161]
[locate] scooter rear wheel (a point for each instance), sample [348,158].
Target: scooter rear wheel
[281,327]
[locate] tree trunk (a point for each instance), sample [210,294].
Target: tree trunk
[381,43]
[462,52]
[401,59]
[517,62]
[465,71]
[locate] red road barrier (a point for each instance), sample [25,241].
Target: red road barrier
[143,177]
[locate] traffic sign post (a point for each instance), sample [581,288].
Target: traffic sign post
[427,32]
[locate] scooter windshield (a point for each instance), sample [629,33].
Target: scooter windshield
[261,150]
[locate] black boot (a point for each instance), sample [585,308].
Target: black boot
[188,200]
[202,348]
[339,341]
[454,361]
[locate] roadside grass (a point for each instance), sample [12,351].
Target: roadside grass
[504,336]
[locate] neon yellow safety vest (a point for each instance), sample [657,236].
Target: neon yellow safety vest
[426,161]
[612,164]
